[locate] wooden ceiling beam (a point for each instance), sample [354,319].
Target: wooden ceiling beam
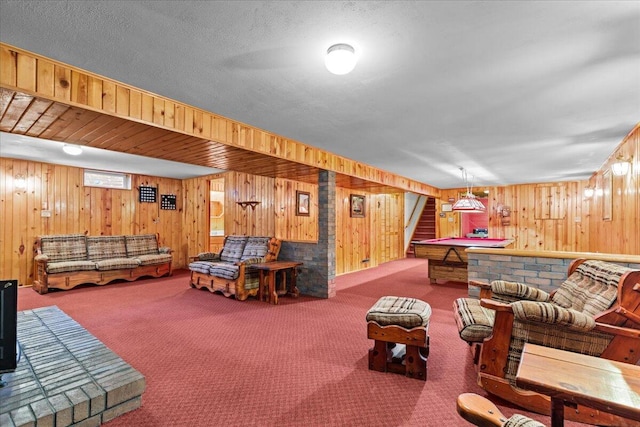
[55,101]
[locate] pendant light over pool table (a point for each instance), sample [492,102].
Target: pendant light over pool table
[468,203]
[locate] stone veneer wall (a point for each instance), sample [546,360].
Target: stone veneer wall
[316,277]
[538,270]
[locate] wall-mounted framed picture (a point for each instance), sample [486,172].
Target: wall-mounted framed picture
[303,203]
[447,207]
[607,200]
[356,205]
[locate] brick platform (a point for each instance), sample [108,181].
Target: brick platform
[65,376]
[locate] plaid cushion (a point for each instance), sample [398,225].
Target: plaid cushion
[64,247]
[552,314]
[152,259]
[141,244]
[518,420]
[233,248]
[405,312]
[208,256]
[592,288]
[592,343]
[224,270]
[251,278]
[106,247]
[200,266]
[69,266]
[256,247]
[117,264]
[475,323]
[504,291]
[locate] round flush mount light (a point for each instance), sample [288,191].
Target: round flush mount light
[340,59]
[72,150]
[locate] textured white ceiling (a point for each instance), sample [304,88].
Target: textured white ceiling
[514,92]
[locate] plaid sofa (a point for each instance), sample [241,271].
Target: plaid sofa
[65,261]
[230,272]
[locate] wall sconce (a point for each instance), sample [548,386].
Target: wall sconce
[589,192]
[621,166]
[20,182]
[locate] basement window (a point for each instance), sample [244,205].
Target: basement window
[120,181]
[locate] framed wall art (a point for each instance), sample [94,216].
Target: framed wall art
[303,203]
[357,205]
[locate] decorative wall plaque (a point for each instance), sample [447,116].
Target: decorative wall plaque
[168,201]
[147,194]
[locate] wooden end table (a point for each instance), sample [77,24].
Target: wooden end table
[268,272]
[567,377]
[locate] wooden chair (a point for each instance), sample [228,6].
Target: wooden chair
[481,412]
[593,312]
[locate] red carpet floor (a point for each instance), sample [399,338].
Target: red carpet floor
[209,360]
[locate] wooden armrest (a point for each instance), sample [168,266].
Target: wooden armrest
[479,410]
[617,330]
[485,288]
[628,314]
[495,305]
[480,284]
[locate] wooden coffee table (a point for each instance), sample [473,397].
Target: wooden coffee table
[268,272]
[574,378]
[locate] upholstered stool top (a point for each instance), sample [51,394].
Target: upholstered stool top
[401,311]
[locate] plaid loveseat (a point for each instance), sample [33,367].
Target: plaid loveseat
[230,272]
[65,261]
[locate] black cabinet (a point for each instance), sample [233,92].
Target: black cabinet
[8,326]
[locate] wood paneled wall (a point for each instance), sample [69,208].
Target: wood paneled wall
[367,242]
[558,217]
[549,216]
[620,234]
[74,209]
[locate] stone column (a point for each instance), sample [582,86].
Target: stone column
[317,275]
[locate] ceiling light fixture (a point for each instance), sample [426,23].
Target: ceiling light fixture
[620,167]
[468,203]
[72,150]
[340,59]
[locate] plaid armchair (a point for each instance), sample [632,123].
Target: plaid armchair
[595,312]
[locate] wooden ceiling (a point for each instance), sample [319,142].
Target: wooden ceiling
[24,114]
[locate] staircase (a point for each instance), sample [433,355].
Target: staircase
[426,227]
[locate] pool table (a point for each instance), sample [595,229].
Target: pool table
[448,257]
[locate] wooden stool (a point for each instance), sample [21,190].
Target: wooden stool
[400,328]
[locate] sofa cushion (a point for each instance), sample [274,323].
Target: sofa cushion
[117,264]
[233,248]
[141,244]
[592,288]
[200,266]
[256,247]
[224,270]
[106,247]
[474,322]
[154,259]
[69,266]
[401,311]
[64,247]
